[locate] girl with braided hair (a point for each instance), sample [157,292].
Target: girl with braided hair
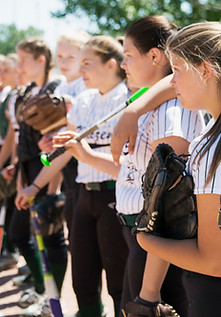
[35,61]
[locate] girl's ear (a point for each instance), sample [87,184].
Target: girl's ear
[206,71]
[41,59]
[112,63]
[155,54]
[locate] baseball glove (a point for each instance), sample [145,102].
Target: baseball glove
[7,187]
[45,113]
[50,210]
[169,203]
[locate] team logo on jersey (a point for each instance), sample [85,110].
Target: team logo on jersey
[125,148]
[132,170]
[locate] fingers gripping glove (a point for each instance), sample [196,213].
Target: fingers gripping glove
[169,203]
[50,210]
[45,113]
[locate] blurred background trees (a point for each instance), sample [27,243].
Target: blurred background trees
[114,16]
[10,36]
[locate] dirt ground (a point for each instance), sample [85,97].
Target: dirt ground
[9,294]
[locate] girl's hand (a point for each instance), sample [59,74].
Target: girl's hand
[45,143]
[80,150]
[25,196]
[8,172]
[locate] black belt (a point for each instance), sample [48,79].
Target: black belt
[99,186]
[127,220]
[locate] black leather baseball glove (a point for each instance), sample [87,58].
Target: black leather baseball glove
[50,211]
[169,203]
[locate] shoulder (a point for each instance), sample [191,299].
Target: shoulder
[200,167]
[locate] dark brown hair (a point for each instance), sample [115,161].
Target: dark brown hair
[150,31]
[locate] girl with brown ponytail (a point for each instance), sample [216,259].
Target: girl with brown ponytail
[35,63]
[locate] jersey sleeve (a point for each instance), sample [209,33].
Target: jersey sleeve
[200,173]
[171,119]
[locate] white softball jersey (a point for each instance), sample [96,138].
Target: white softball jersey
[200,169]
[170,119]
[72,88]
[11,110]
[89,107]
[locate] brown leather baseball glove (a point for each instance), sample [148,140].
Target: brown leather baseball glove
[45,113]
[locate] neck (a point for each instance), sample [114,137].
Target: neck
[39,80]
[109,86]
[72,78]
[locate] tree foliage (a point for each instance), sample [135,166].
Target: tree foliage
[114,16]
[10,36]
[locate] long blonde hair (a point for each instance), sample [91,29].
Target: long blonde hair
[107,47]
[195,44]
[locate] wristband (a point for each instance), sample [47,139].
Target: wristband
[36,186]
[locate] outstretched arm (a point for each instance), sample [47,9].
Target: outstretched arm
[126,128]
[83,152]
[22,200]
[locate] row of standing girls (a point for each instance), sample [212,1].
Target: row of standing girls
[96,240]
[194,54]
[34,63]
[145,64]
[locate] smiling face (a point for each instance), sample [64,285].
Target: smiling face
[92,70]
[68,60]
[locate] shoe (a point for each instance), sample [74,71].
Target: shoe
[8,261]
[23,280]
[46,309]
[24,270]
[30,297]
[135,309]
[40,309]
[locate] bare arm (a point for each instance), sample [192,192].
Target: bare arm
[202,255]
[47,173]
[43,178]
[83,152]
[8,146]
[126,128]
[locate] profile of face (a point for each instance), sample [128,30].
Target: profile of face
[138,67]
[188,84]
[68,60]
[8,73]
[29,66]
[93,71]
